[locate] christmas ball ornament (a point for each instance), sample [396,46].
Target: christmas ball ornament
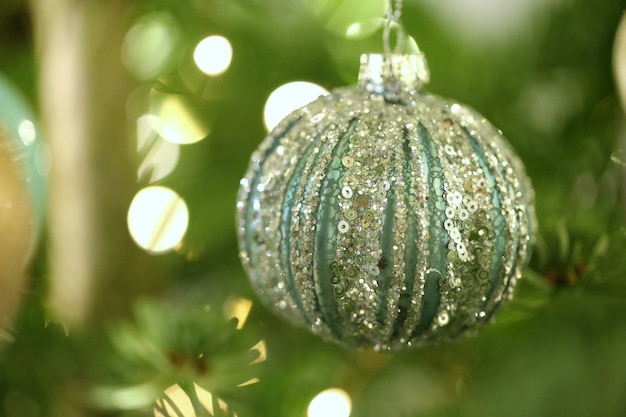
[382,216]
[21,197]
[16,236]
[21,138]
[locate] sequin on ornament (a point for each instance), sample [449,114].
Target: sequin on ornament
[388,223]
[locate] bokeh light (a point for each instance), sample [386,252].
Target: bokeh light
[157,219]
[159,157]
[27,132]
[179,404]
[365,28]
[365,14]
[149,44]
[213,55]
[261,347]
[238,308]
[175,119]
[287,98]
[333,402]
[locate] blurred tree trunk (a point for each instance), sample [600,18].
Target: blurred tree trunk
[95,268]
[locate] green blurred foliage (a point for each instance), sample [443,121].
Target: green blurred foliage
[17,56]
[558,349]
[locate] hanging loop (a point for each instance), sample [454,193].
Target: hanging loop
[394,73]
[394,11]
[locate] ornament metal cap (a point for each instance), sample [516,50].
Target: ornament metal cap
[391,73]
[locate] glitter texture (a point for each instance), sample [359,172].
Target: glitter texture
[384,217]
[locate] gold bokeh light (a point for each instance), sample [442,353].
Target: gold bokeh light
[175,118]
[159,157]
[176,402]
[157,219]
[239,308]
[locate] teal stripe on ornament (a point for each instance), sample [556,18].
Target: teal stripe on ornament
[438,241]
[513,232]
[251,233]
[527,213]
[410,251]
[498,222]
[326,234]
[514,266]
[386,245]
[293,185]
[310,193]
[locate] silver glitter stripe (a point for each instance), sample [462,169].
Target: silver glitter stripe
[361,236]
[522,184]
[498,220]
[393,221]
[325,236]
[418,185]
[293,183]
[255,235]
[524,194]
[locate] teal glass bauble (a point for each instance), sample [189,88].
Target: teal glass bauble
[22,168]
[21,137]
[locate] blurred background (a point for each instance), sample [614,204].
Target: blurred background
[127,126]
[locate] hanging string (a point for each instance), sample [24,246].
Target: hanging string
[392,17]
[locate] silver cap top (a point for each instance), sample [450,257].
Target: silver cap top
[391,74]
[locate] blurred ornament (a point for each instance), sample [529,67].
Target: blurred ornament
[16,235]
[381,216]
[21,196]
[619,61]
[21,137]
